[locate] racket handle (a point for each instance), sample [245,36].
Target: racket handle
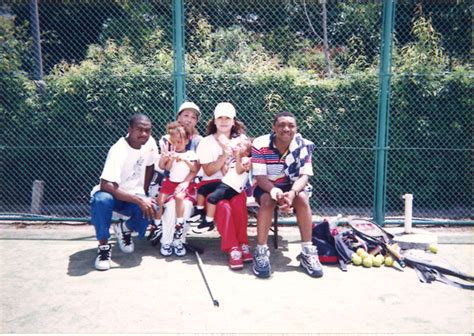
[396,254]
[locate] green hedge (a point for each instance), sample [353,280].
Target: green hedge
[86,109]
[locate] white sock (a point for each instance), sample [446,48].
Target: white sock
[199,207]
[262,246]
[157,222]
[209,219]
[305,244]
[180,220]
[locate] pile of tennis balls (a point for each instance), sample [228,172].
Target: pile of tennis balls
[362,257]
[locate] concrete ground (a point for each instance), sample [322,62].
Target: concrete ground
[48,285]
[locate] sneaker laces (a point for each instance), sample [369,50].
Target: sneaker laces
[310,250]
[261,257]
[156,232]
[126,235]
[311,255]
[178,244]
[235,254]
[104,253]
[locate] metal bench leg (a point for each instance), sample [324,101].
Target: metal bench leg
[275,228]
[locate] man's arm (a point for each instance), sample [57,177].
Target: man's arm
[300,183]
[264,183]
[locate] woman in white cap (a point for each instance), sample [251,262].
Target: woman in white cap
[163,231]
[215,154]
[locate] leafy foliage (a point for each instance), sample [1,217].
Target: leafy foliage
[263,60]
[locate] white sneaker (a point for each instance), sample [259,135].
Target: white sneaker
[166,250]
[104,254]
[178,248]
[124,237]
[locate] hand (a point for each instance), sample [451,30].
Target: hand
[246,164]
[149,208]
[223,140]
[166,154]
[181,187]
[285,202]
[236,151]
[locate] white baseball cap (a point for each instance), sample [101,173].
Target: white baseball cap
[224,110]
[189,106]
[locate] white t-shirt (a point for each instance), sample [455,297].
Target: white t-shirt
[234,180]
[165,145]
[179,169]
[209,150]
[126,165]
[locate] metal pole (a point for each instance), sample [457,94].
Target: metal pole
[35,33]
[178,47]
[383,112]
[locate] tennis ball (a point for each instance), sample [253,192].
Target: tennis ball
[360,250]
[388,261]
[367,261]
[377,262]
[433,248]
[356,259]
[364,255]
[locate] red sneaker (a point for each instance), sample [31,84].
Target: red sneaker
[246,255]
[235,259]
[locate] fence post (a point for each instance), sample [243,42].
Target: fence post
[178,47]
[383,112]
[37,196]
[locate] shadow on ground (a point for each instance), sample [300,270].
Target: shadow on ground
[82,262]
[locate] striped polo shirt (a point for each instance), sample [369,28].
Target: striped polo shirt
[267,160]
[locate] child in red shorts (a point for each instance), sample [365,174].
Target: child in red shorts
[180,163]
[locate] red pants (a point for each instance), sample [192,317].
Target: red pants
[232,219]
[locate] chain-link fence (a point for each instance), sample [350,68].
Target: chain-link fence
[106,60]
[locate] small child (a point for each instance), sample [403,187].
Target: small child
[180,163]
[231,185]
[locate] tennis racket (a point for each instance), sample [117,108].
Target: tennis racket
[373,233]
